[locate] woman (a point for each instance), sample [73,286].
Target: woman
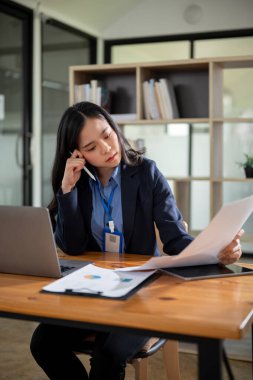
[119,207]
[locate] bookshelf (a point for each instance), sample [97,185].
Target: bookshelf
[199,92]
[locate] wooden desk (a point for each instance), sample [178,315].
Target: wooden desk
[204,312]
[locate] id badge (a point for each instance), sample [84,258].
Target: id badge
[112,241]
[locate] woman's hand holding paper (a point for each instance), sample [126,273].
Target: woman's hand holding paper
[232,252]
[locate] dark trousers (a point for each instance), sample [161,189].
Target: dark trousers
[53,348]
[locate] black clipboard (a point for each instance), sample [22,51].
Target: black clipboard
[70,292]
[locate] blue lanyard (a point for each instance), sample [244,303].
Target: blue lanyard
[107,205]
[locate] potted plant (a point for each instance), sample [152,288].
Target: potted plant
[247,165]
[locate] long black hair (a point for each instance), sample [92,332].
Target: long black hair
[71,124]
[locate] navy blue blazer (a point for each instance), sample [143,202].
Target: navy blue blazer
[146,198]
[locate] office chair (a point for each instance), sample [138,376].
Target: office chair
[140,360]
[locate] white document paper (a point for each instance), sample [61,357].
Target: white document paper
[99,281]
[207,245]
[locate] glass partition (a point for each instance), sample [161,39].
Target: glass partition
[60,49]
[11,110]
[200,146]
[238,92]
[167,145]
[237,141]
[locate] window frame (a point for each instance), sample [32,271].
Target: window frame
[108,44]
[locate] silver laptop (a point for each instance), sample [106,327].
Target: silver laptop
[27,243]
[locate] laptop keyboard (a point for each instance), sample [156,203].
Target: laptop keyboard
[69,266]
[65,268]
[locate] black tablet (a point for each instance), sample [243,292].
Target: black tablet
[199,272]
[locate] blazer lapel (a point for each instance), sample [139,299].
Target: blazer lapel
[129,189]
[86,202]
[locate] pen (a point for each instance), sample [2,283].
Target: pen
[87,171]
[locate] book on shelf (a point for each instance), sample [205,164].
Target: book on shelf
[153,101]
[151,110]
[86,92]
[82,92]
[93,92]
[159,100]
[169,98]
[146,101]
[77,93]
[165,99]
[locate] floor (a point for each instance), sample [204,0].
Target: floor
[16,361]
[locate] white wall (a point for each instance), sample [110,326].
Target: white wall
[163,17]
[113,19]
